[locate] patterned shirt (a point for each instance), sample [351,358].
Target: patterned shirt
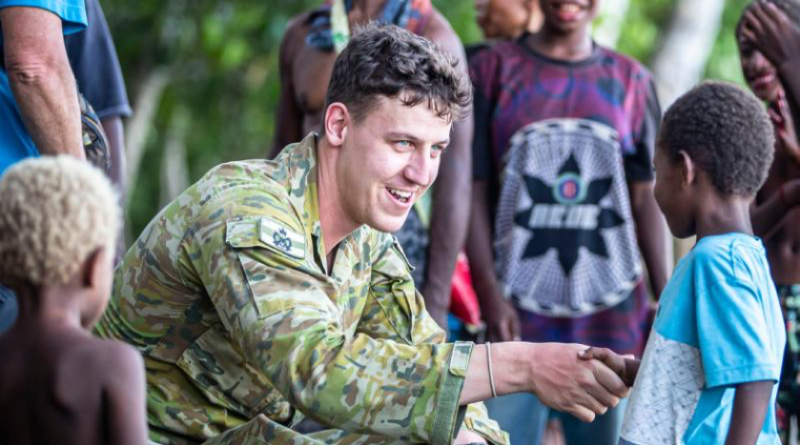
[228,296]
[557,143]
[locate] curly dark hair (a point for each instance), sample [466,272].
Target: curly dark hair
[726,132]
[789,7]
[386,60]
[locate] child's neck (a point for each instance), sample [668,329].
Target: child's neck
[572,47]
[49,306]
[724,215]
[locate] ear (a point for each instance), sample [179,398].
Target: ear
[687,169]
[94,268]
[336,123]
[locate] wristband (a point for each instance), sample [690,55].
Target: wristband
[491,374]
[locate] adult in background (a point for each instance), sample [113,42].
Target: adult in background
[94,61]
[563,201]
[776,215]
[271,290]
[435,230]
[39,111]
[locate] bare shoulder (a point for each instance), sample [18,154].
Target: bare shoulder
[108,360]
[121,358]
[295,35]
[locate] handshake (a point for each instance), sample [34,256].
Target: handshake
[577,379]
[590,383]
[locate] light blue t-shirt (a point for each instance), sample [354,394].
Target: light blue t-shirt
[719,324]
[15,143]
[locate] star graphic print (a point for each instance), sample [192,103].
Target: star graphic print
[564,235]
[567,215]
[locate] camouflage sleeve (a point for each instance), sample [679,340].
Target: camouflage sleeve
[393,290]
[287,320]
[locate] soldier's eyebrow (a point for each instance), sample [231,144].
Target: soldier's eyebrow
[401,136]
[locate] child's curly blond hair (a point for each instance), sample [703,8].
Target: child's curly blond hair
[54,213]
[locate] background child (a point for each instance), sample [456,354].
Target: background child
[58,222]
[563,209]
[776,218]
[710,366]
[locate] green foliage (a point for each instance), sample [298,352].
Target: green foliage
[222,60]
[644,23]
[723,63]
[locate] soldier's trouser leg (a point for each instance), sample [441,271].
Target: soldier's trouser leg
[261,430]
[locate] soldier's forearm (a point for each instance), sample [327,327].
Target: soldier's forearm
[511,371]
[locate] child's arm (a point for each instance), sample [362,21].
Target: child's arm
[767,216]
[749,410]
[125,396]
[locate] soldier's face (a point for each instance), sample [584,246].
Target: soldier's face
[389,159]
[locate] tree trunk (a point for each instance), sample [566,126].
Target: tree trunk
[612,16]
[174,169]
[681,59]
[138,128]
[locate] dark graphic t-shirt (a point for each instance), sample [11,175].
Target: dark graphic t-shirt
[558,143]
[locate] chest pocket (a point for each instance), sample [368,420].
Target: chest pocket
[280,275]
[393,289]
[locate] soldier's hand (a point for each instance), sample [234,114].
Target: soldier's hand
[625,366]
[563,381]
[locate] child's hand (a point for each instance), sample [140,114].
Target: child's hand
[785,129]
[625,366]
[771,32]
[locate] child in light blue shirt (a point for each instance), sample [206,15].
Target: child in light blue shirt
[709,371]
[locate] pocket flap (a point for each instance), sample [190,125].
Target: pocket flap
[265,232]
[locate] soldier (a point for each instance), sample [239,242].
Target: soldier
[436,226]
[270,290]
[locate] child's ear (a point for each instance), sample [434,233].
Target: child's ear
[687,168]
[94,268]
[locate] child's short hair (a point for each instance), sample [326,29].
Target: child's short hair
[726,132]
[54,213]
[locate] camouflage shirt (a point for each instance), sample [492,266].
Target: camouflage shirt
[227,295]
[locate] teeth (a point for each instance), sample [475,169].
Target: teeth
[400,194]
[569,7]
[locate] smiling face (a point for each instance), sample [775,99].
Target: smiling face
[760,74]
[567,16]
[388,159]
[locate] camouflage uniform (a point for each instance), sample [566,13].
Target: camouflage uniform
[227,295]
